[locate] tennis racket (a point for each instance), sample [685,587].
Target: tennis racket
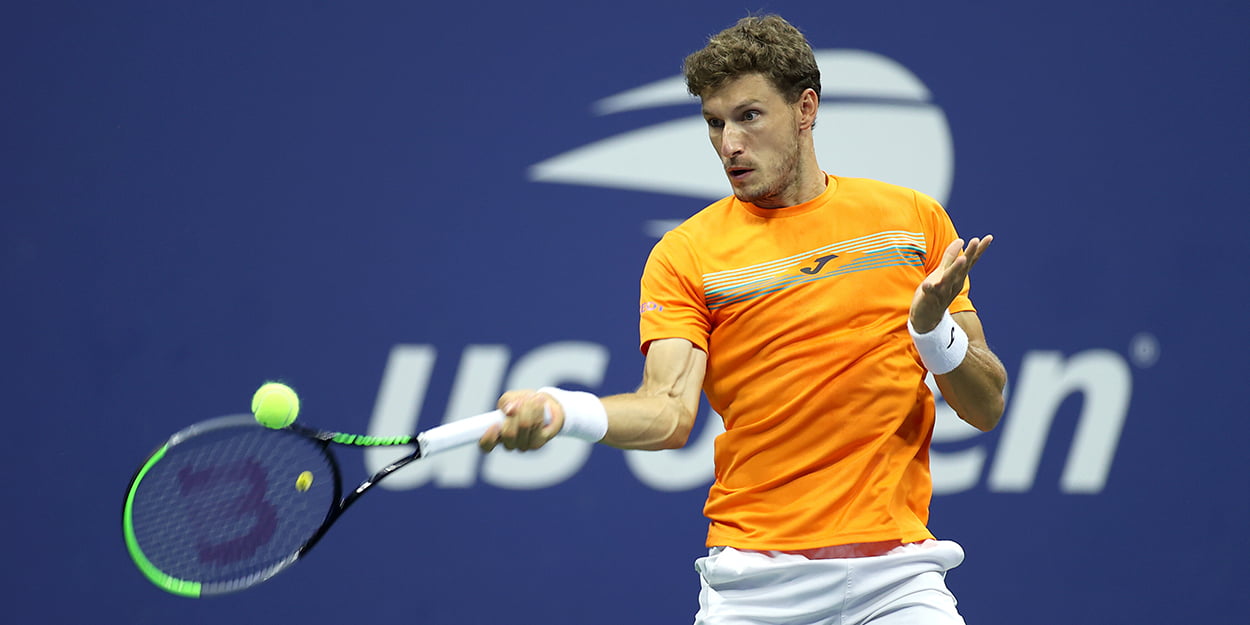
[227,503]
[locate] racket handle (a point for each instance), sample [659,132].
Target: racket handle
[457,433]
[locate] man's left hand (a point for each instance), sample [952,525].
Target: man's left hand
[938,289]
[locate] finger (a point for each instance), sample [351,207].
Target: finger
[958,270]
[549,420]
[942,280]
[952,252]
[509,400]
[489,439]
[534,420]
[974,254]
[515,433]
[522,439]
[508,429]
[553,419]
[511,404]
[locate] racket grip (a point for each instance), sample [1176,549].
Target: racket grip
[457,433]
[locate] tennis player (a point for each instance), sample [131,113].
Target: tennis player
[808,307]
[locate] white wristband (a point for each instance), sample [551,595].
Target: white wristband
[584,415]
[942,348]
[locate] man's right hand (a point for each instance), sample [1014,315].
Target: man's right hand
[530,420]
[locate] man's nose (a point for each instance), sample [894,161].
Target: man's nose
[731,143]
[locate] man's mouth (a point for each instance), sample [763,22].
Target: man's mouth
[738,173]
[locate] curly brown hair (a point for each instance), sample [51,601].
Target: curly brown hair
[767,45]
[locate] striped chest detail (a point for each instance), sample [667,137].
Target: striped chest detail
[874,251]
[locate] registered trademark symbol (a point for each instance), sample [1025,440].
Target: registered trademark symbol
[1143,350]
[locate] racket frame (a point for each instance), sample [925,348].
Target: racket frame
[341,503]
[446,436]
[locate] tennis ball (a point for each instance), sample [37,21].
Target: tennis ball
[275,405]
[304,481]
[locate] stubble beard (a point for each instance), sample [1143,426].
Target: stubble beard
[772,193]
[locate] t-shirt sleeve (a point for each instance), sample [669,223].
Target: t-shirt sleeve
[939,233]
[671,303]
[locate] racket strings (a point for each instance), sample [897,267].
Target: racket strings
[230,506]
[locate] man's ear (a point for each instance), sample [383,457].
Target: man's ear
[809,102]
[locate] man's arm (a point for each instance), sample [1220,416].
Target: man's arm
[659,415]
[974,388]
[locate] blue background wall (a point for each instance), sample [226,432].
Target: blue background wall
[198,197]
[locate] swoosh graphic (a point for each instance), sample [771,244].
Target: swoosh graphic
[875,121]
[671,157]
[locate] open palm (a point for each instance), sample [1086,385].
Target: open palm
[938,289]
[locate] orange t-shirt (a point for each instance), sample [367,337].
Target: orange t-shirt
[803,314]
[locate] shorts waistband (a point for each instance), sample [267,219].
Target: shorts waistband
[853,550]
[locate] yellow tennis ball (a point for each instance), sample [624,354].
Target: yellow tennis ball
[275,405]
[304,481]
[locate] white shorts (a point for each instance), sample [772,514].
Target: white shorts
[906,586]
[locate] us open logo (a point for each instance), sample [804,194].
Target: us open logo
[876,120]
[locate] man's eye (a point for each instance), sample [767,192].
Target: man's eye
[750,116]
[715,123]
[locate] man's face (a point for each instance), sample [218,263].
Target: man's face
[756,133]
